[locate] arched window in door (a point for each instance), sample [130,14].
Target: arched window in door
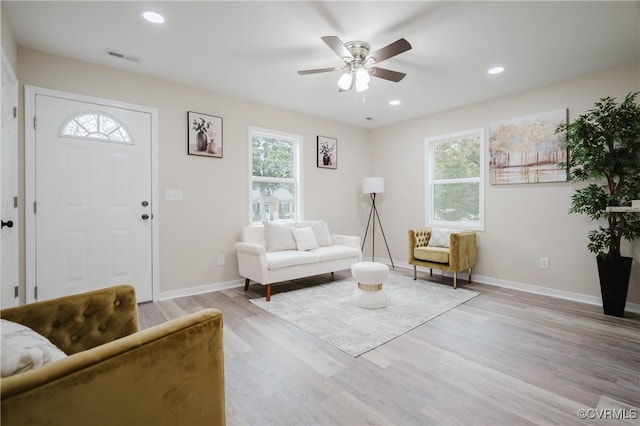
[95,125]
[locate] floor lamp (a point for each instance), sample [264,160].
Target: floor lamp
[373,186]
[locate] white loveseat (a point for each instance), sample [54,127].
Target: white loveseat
[276,252]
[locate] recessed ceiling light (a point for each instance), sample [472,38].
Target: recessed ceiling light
[154,17]
[394,102]
[496,70]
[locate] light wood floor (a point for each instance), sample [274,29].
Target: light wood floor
[503,358]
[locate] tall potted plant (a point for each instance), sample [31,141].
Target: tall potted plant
[604,148]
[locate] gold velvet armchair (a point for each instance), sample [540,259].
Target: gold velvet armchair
[456,253]
[169,374]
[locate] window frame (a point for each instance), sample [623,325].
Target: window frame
[430,180]
[297,141]
[91,136]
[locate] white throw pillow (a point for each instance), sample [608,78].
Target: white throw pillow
[321,230]
[305,238]
[440,237]
[278,236]
[23,349]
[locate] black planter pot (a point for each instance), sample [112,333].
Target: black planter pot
[614,284]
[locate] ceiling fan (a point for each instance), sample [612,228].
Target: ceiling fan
[358,67]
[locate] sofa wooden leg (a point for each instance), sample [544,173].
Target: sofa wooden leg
[268,295]
[455,280]
[246,284]
[415,272]
[469,274]
[430,272]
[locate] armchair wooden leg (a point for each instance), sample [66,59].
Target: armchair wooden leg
[430,272]
[469,274]
[268,295]
[415,272]
[246,284]
[455,280]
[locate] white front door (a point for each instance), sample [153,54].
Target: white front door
[9,249]
[93,206]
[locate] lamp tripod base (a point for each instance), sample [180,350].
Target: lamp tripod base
[373,216]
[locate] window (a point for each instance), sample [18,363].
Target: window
[95,125]
[454,180]
[275,176]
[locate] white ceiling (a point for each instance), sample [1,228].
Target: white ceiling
[252,50]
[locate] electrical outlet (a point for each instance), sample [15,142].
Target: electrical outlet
[173,194]
[220,259]
[544,263]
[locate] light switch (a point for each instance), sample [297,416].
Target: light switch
[173,194]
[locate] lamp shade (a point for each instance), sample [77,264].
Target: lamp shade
[373,185]
[344,82]
[362,80]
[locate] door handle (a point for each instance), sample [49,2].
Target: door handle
[145,216]
[8,224]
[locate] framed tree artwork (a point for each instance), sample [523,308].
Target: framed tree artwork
[327,155]
[527,149]
[204,134]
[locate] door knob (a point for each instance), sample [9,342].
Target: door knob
[8,224]
[145,216]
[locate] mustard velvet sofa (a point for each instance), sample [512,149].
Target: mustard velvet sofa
[169,374]
[459,256]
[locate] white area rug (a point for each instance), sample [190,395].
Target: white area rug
[326,312]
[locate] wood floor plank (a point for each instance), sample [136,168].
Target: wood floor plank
[504,357]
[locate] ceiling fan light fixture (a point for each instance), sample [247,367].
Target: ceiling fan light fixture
[356,71]
[345,81]
[362,79]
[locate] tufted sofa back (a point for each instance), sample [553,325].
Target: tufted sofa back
[83,321]
[421,236]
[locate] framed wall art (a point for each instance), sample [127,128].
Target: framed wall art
[527,149]
[204,135]
[327,156]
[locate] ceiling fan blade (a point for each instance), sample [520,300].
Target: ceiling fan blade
[338,46]
[318,70]
[387,74]
[390,50]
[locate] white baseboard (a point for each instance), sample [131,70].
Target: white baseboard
[528,288]
[192,291]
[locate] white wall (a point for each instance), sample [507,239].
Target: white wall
[193,232]
[523,222]
[9,46]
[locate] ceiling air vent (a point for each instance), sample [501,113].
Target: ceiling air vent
[120,55]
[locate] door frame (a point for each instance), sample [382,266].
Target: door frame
[30,93]
[8,70]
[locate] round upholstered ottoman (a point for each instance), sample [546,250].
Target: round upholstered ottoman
[369,293]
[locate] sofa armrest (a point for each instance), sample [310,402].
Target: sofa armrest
[462,250]
[82,321]
[172,373]
[252,261]
[346,240]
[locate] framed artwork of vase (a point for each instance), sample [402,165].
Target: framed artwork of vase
[327,152]
[204,134]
